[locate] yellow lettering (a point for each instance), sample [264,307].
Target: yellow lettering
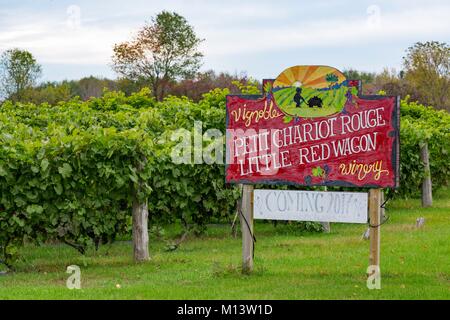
[361,170]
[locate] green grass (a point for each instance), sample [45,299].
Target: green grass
[415,264]
[333,101]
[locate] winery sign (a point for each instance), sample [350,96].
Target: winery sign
[313,127]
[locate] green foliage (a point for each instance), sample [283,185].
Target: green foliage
[352,74]
[69,171]
[18,72]
[427,70]
[250,86]
[50,93]
[421,124]
[194,193]
[299,227]
[215,98]
[164,50]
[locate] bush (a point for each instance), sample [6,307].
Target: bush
[194,193]
[419,125]
[66,174]
[68,171]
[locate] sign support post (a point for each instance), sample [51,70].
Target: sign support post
[246,219]
[375,221]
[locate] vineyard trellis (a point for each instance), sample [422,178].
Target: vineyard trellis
[71,171]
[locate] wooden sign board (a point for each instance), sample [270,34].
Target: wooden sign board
[312,127]
[296,205]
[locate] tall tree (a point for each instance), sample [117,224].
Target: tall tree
[427,69]
[366,77]
[164,50]
[19,71]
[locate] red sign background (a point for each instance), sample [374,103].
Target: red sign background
[357,147]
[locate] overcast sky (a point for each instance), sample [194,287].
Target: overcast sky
[73,39]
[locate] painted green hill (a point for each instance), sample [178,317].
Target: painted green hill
[333,101]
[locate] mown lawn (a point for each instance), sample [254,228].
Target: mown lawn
[415,264]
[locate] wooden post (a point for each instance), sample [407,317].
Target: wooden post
[325,225]
[140,231]
[247,228]
[427,196]
[375,220]
[140,226]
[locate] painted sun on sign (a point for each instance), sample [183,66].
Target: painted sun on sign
[311,91]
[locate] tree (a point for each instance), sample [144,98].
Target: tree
[204,82]
[50,92]
[366,77]
[88,87]
[164,50]
[427,69]
[391,82]
[331,78]
[19,71]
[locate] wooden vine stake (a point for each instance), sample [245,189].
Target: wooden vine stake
[246,219]
[375,221]
[140,226]
[427,196]
[140,231]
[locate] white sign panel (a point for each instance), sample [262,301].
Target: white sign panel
[298,205]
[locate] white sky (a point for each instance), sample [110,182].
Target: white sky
[72,39]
